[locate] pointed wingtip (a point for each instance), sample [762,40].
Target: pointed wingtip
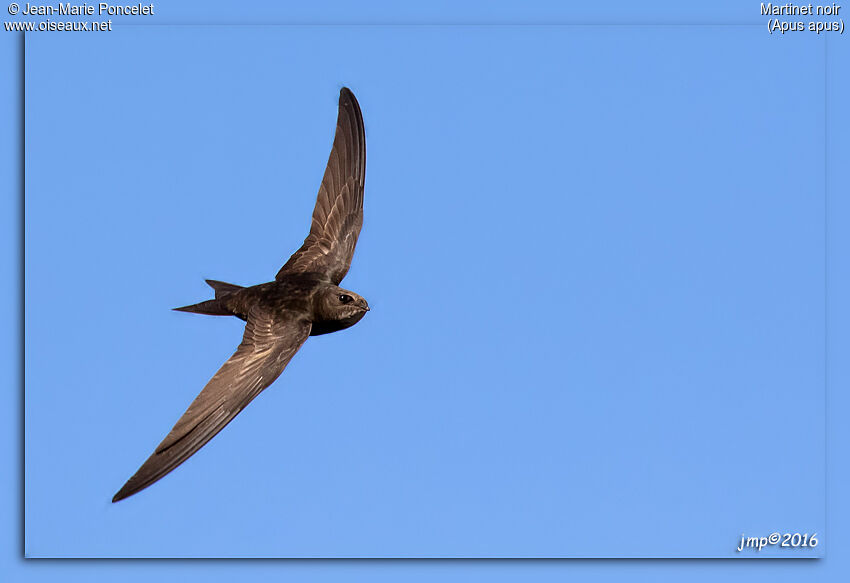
[130,488]
[120,495]
[345,94]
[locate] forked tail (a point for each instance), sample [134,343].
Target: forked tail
[213,307]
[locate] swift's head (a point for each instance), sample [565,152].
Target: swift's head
[338,308]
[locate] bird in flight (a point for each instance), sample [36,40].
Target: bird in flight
[304,300]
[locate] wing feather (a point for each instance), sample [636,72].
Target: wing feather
[338,214]
[267,346]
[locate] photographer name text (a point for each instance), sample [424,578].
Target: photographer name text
[85,9]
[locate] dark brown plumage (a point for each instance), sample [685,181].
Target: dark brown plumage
[304,300]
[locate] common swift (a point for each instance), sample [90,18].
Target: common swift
[304,300]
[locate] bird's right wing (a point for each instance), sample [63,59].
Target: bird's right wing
[338,214]
[267,346]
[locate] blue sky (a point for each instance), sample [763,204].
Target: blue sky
[595,257]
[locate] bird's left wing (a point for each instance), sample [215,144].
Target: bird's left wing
[267,346]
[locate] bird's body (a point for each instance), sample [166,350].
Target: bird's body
[301,294]
[304,300]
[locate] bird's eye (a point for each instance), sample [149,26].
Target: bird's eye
[345,298]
